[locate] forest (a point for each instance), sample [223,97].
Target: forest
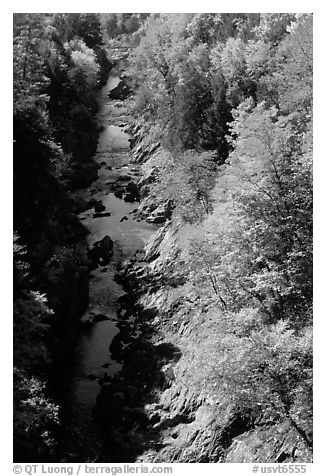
[215,319]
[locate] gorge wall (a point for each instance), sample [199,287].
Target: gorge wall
[155,411]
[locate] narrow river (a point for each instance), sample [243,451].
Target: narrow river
[92,362]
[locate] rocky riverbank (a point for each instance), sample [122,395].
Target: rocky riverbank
[151,411]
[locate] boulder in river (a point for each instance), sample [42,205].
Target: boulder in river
[99,318]
[133,193]
[129,197]
[101,215]
[132,188]
[123,178]
[110,182]
[119,193]
[158,219]
[102,251]
[99,207]
[92,202]
[120,92]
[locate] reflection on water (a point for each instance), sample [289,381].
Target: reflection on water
[93,360]
[112,138]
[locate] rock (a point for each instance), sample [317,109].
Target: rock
[119,193]
[156,219]
[108,167]
[271,444]
[132,193]
[154,418]
[145,191]
[123,178]
[99,207]
[150,177]
[124,218]
[282,457]
[121,92]
[146,208]
[161,213]
[143,151]
[91,377]
[132,187]
[99,318]
[103,163]
[101,215]
[102,251]
[129,198]
[92,202]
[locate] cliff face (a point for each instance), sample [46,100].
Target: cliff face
[190,426]
[158,410]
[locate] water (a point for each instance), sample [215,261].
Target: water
[93,360]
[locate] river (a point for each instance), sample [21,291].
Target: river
[92,359]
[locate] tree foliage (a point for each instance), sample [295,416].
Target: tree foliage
[35,420]
[58,63]
[235,90]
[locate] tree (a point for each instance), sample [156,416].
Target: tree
[84,71]
[294,72]
[233,66]
[273,27]
[32,317]
[187,180]
[35,420]
[178,91]
[261,246]
[89,29]
[29,69]
[257,370]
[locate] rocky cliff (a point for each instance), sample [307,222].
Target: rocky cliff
[155,410]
